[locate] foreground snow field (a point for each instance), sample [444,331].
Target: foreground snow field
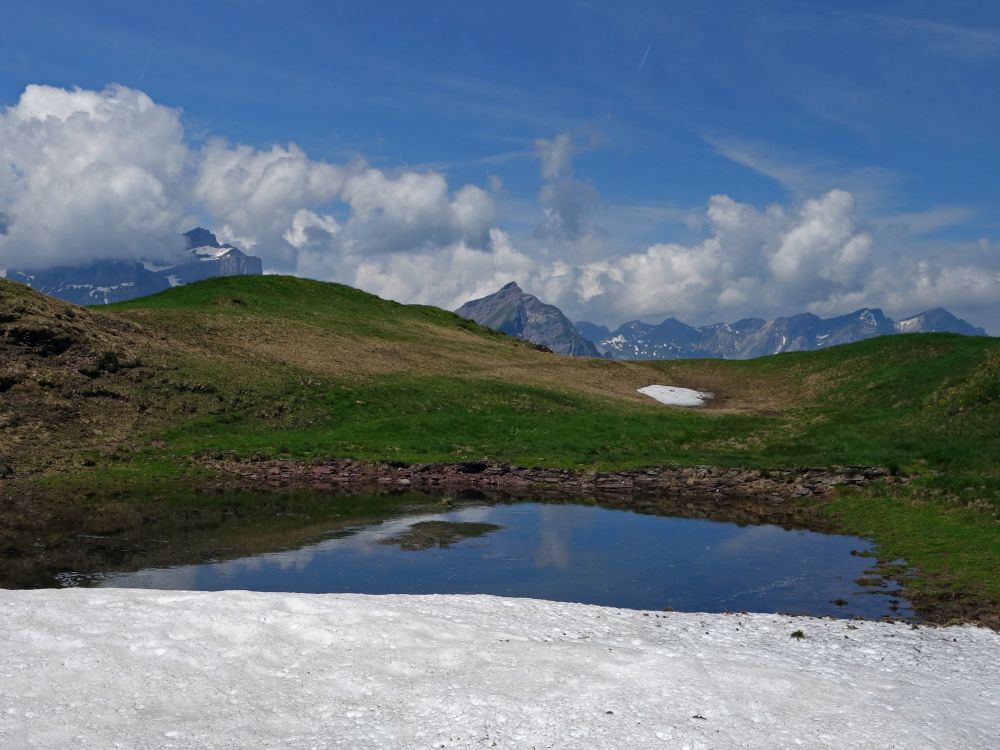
[675,396]
[153,669]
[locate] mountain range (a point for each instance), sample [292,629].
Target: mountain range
[512,311]
[106,281]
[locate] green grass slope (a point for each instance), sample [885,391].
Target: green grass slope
[294,368]
[346,373]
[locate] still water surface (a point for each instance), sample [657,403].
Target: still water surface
[564,552]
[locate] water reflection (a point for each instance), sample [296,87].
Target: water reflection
[564,552]
[442,534]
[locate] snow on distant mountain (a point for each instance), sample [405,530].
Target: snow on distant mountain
[755,337]
[937,320]
[511,311]
[106,281]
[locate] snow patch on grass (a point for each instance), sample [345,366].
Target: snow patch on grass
[674,396]
[139,668]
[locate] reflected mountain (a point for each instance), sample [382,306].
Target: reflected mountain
[441,534]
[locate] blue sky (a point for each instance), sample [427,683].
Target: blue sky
[643,112]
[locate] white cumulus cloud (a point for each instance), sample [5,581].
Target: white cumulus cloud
[752,262]
[567,202]
[90,174]
[256,194]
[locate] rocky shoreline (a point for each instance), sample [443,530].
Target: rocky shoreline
[745,496]
[332,473]
[339,475]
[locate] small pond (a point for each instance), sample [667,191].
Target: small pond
[565,551]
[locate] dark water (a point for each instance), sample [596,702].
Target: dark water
[563,551]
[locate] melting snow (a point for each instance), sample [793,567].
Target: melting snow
[136,668]
[156,267]
[106,289]
[211,253]
[668,394]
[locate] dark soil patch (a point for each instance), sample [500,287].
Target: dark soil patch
[44,341]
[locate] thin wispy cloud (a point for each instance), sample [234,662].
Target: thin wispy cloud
[803,175]
[951,39]
[503,157]
[954,39]
[926,222]
[642,62]
[145,66]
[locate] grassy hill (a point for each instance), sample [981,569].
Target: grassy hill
[280,366]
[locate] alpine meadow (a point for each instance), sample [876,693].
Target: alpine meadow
[546,375]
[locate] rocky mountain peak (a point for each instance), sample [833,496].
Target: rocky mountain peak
[510,310]
[200,237]
[114,280]
[938,319]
